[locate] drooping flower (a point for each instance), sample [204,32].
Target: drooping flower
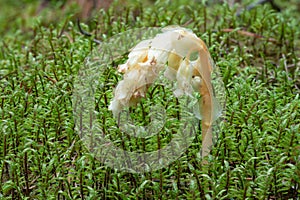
[185,59]
[148,58]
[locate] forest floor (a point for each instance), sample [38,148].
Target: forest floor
[256,156]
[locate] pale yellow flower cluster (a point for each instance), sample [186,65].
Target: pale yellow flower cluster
[176,50]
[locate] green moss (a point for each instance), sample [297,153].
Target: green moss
[255,157]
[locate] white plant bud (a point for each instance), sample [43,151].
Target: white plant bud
[170,50]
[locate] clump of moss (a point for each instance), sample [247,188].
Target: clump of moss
[256,155]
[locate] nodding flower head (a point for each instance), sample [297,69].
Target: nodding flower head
[171,51]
